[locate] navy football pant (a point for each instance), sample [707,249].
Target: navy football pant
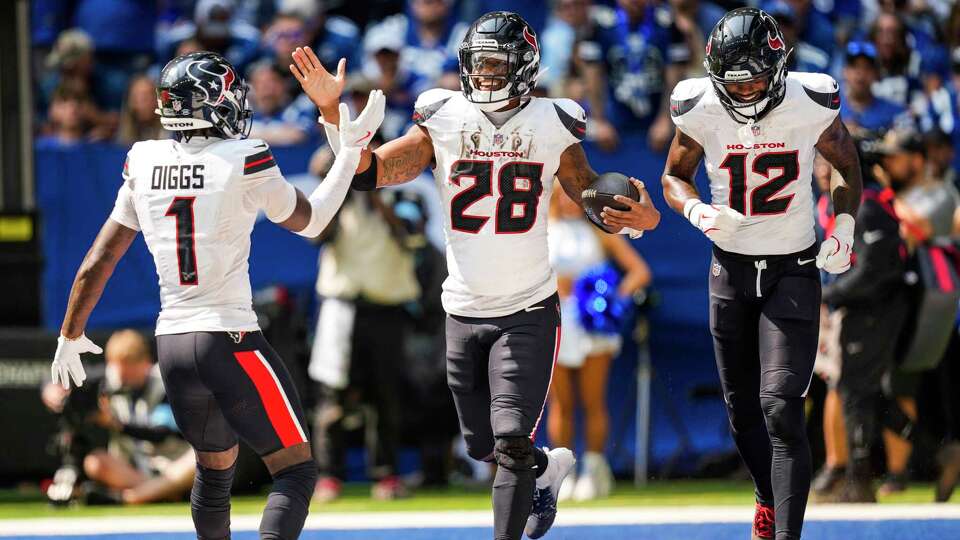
[764,317]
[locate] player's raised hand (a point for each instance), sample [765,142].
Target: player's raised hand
[835,251]
[357,133]
[641,215]
[66,361]
[717,221]
[320,85]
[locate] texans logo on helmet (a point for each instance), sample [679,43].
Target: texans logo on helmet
[775,42]
[223,89]
[531,39]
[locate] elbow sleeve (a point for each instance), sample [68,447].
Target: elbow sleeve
[367,180]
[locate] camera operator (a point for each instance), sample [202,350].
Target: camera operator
[120,428]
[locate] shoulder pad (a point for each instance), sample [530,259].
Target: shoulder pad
[257,157]
[429,103]
[603,16]
[572,117]
[822,89]
[686,95]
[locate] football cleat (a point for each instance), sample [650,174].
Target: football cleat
[544,511]
[764,525]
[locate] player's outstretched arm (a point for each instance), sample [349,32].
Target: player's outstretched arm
[111,243]
[837,146]
[576,174]
[400,160]
[312,214]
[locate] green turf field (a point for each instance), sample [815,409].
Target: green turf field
[29,503]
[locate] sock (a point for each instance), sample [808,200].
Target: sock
[210,502]
[288,502]
[542,460]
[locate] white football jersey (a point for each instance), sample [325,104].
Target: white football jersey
[196,204]
[495,186]
[763,171]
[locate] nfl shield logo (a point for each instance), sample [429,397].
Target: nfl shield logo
[716,270]
[498,139]
[756,130]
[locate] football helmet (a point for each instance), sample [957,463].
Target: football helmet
[202,90]
[499,60]
[746,45]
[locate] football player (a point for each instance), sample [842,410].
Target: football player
[758,128]
[196,199]
[494,151]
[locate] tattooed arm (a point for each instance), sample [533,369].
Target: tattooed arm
[97,267]
[400,160]
[837,146]
[576,175]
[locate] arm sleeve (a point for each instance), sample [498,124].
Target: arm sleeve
[124,211]
[329,195]
[275,196]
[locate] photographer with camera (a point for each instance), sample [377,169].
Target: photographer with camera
[118,431]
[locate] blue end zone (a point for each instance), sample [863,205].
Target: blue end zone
[816,530]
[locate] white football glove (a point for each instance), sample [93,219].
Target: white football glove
[718,222]
[66,361]
[357,133]
[835,251]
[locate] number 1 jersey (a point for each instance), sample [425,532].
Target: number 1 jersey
[196,204]
[495,185]
[765,170]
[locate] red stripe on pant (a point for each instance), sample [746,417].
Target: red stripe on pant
[556,354]
[281,418]
[942,270]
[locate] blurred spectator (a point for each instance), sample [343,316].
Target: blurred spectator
[366,278]
[431,37]
[382,69]
[804,57]
[583,361]
[69,64]
[632,60]
[138,121]
[305,22]
[68,118]
[874,306]
[145,461]
[860,109]
[899,66]
[569,21]
[941,154]
[703,15]
[274,120]
[813,28]
[214,28]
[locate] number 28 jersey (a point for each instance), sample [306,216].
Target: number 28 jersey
[196,204]
[763,171]
[495,185]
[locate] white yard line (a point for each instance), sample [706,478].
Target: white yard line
[479,518]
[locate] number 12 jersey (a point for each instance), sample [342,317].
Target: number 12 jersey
[764,171]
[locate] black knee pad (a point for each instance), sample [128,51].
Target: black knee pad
[210,502]
[515,453]
[784,417]
[289,501]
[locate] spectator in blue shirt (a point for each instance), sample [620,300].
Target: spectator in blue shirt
[68,118]
[568,22]
[274,120]
[804,56]
[899,65]
[332,37]
[431,40]
[860,108]
[632,60]
[215,29]
[813,27]
[704,14]
[382,69]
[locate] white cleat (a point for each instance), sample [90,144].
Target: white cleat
[544,511]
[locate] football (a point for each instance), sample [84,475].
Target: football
[601,193]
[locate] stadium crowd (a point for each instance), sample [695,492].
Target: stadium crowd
[898,65]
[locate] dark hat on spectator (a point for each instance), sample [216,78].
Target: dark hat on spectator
[937,137]
[208,14]
[860,49]
[70,45]
[899,140]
